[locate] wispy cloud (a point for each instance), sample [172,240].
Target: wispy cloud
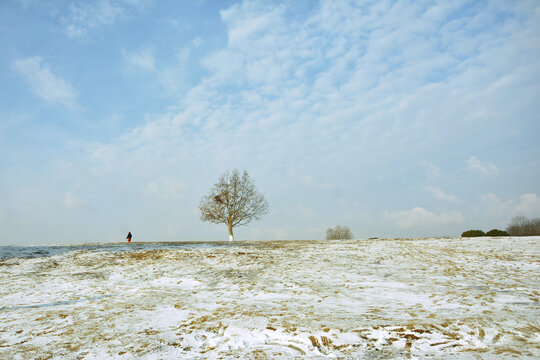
[45,84]
[166,188]
[432,169]
[419,217]
[482,167]
[527,205]
[86,16]
[72,201]
[143,59]
[197,41]
[441,195]
[173,77]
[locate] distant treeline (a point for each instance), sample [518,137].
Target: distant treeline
[520,226]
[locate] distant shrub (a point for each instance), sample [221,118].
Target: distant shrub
[339,233]
[497,232]
[523,226]
[473,233]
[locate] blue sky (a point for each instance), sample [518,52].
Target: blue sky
[396,118]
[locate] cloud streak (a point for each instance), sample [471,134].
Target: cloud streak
[72,201]
[86,16]
[143,59]
[45,84]
[441,195]
[527,205]
[166,189]
[482,167]
[418,217]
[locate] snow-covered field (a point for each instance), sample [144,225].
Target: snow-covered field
[372,299]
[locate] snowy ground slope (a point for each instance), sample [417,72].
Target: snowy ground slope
[450,298]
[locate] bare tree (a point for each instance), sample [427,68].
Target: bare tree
[233,201]
[339,232]
[523,226]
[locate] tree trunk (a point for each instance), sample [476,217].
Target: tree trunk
[231,237]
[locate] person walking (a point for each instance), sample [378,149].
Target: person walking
[128,237]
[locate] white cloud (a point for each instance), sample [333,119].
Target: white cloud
[72,201]
[418,217]
[143,59]
[339,95]
[224,64]
[166,188]
[45,84]
[197,41]
[314,183]
[173,77]
[85,16]
[441,195]
[526,205]
[305,211]
[529,205]
[482,167]
[247,22]
[432,169]
[322,90]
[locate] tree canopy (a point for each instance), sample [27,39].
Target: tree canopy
[339,233]
[234,201]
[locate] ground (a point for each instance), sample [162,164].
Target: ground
[371,299]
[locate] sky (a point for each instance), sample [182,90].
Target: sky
[394,118]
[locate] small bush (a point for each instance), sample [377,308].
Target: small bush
[473,233]
[497,232]
[339,233]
